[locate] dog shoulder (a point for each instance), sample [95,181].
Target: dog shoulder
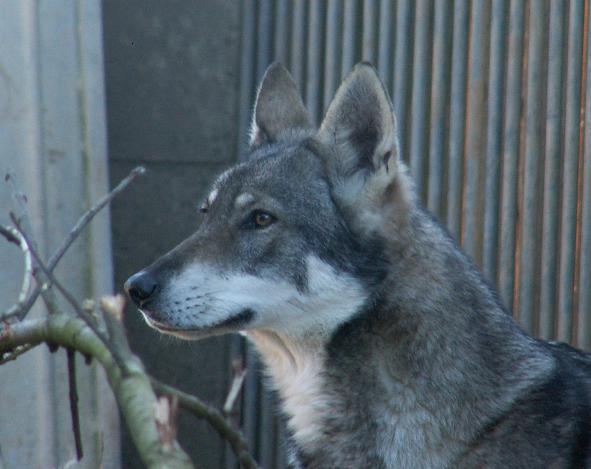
[550,426]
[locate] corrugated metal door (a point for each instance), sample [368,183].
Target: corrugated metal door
[494,106]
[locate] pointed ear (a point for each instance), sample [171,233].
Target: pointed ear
[361,127]
[279,110]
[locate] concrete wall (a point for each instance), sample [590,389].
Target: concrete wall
[172,91]
[53,136]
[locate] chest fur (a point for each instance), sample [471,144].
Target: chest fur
[296,373]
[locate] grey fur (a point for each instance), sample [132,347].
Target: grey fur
[414,362]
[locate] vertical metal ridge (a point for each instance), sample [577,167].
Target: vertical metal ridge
[266,429]
[369,31]
[385,46]
[552,157]
[247,83]
[298,43]
[584,293]
[332,63]
[264,36]
[281,33]
[494,134]
[349,37]
[314,57]
[251,401]
[474,153]
[419,109]
[518,222]
[532,152]
[570,170]
[580,167]
[457,114]
[401,70]
[236,351]
[439,99]
[281,448]
[511,134]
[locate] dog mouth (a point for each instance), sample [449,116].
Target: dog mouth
[235,322]
[157,324]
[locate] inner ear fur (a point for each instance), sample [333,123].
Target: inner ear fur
[279,112]
[360,125]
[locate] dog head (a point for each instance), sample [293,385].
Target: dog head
[292,236]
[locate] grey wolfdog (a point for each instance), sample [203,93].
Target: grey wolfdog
[387,347]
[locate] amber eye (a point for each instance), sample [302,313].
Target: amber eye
[262,219]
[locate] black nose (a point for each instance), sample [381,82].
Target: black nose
[140,287]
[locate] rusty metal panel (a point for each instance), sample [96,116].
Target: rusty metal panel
[530,159]
[418,89]
[474,149]
[584,286]
[494,112]
[457,109]
[553,144]
[494,137]
[439,105]
[570,158]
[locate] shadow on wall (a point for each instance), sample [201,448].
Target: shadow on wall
[172,82]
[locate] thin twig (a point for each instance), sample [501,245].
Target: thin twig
[9,235]
[73,394]
[14,354]
[215,418]
[70,299]
[89,215]
[19,197]
[165,414]
[21,312]
[14,236]
[20,204]
[112,308]
[133,391]
[235,387]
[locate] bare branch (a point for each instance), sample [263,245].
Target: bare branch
[20,202]
[236,386]
[13,236]
[14,354]
[215,418]
[133,391]
[19,197]
[9,235]
[165,413]
[73,395]
[112,308]
[152,423]
[70,299]
[20,312]
[90,214]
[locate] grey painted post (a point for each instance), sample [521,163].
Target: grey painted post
[52,133]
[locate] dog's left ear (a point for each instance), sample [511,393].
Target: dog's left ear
[360,128]
[279,111]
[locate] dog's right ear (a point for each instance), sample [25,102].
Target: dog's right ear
[279,111]
[361,148]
